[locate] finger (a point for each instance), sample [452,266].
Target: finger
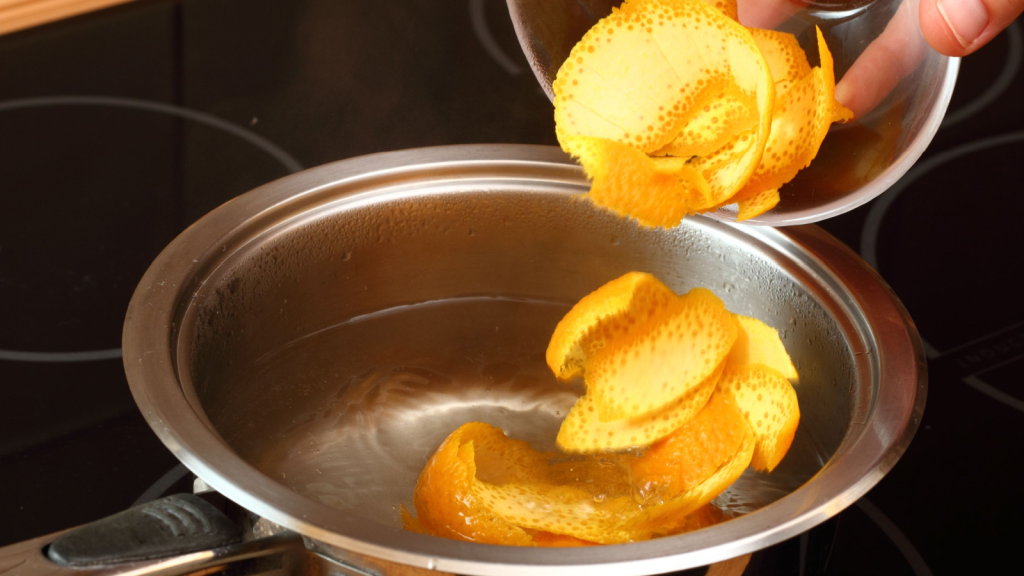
[888,59]
[959,27]
[768,14]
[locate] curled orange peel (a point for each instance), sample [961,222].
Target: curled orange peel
[580,334]
[759,343]
[769,404]
[597,504]
[739,110]
[643,77]
[804,110]
[648,362]
[630,183]
[482,486]
[758,204]
[693,452]
[583,432]
[445,501]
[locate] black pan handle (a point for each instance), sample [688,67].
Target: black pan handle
[178,534]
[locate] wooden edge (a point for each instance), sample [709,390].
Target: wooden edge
[21,14]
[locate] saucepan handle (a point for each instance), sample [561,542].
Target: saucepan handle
[179,534]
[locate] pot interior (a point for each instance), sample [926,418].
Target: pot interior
[337,349]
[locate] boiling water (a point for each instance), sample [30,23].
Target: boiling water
[371,399]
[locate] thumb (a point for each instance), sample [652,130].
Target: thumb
[959,27]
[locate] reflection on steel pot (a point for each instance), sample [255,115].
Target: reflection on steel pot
[304,348]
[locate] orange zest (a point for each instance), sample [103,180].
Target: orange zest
[682,397]
[739,111]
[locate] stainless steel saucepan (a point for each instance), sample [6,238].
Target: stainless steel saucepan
[304,348]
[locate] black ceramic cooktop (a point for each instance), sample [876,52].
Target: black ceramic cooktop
[120,128]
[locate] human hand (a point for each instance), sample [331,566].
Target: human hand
[951,27]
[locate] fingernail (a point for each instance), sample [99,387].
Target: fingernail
[966,18]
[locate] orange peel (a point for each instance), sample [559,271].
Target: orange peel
[760,203]
[800,122]
[647,363]
[445,501]
[692,453]
[759,343]
[630,183]
[724,404]
[579,334]
[769,403]
[643,77]
[722,118]
[583,432]
[689,500]
[738,111]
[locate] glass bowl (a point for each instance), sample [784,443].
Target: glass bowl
[857,161]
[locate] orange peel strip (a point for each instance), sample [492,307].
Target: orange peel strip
[769,403]
[693,452]
[630,183]
[800,122]
[445,502]
[840,113]
[785,58]
[631,294]
[727,7]
[582,432]
[758,204]
[729,113]
[641,74]
[646,366]
[707,489]
[759,343]
[604,510]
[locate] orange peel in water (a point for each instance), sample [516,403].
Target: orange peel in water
[729,406]
[692,453]
[445,503]
[597,506]
[769,403]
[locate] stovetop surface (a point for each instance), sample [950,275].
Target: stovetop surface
[121,127]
